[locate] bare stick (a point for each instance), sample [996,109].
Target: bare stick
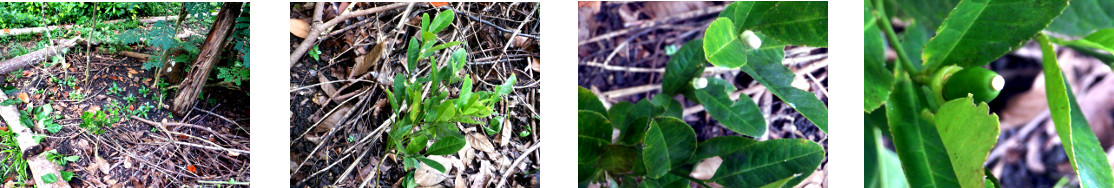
[318,27]
[510,169]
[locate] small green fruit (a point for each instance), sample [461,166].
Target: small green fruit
[750,39]
[983,84]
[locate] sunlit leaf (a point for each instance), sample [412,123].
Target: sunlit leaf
[968,133]
[979,31]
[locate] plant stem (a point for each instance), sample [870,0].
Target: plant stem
[880,12]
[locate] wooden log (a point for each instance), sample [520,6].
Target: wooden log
[136,55]
[208,57]
[44,54]
[20,31]
[31,150]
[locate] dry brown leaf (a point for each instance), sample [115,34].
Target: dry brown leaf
[536,64]
[23,97]
[479,142]
[505,136]
[660,9]
[127,162]
[705,169]
[366,61]
[428,176]
[328,88]
[103,165]
[299,27]
[459,182]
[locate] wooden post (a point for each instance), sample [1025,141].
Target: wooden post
[40,55]
[208,57]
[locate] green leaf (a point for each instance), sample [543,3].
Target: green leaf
[685,65]
[742,116]
[747,14]
[66,175]
[586,172]
[442,21]
[979,31]
[928,13]
[968,133]
[722,46]
[778,183]
[49,178]
[412,54]
[765,67]
[425,22]
[769,161]
[315,53]
[508,86]
[9,102]
[621,121]
[797,23]
[669,180]
[446,145]
[494,125]
[635,131]
[720,145]
[586,100]
[458,56]
[917,142]
[618,159]
[1101,39]
[1083,17]
[913,40]
[594,125]
[670,107]
[879,80]
[1082,147]
[432,164]
[417,143]
[669,143]
[883,169]
[465,94]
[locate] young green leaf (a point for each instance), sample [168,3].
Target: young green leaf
[459,58]
[968,133]
[1083,17]
[66,175]
[928,13]
[446,145]
[979,31]
[508,86]
[769,161]
[722,46]
[669,143]
[1082,147]
[49,178]
[417,143]
[412,52]
[594,132]
[586,100]
[765,67]
[431,163]
[878,80]
[1101,39]
[670,107]
[747,14]
[918,144]
[797,23]
[621,121]
[442,21]
[686,64]
[742,116]
[425,23]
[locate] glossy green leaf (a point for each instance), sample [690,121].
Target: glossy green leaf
[979,31]
[1101,39]
[589,149]
[1084,152]
[883,169]
[586,100]
[425,22]
[913,40]
[619,159]
[779,183]
[586,172]
[741,116]
[797,23]
[412,52]
[720,145]
[669,107]
[722,46]
[765,67]
[620,121]
[878,80]
[458,57]
[431,163]
[445,145]
[644,108]
[441,21]
[508,86]
[594,125]
[917,141]
[1083,17]
[747,14]
[417,143]
[928,13]
[669,143]
[769,161]
[968,133]
[635,131]
[686,64]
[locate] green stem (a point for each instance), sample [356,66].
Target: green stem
[880,12]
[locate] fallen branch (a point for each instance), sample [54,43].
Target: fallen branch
[38,163]
[319,27]
[20,31]
[510,169]
[29,59]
